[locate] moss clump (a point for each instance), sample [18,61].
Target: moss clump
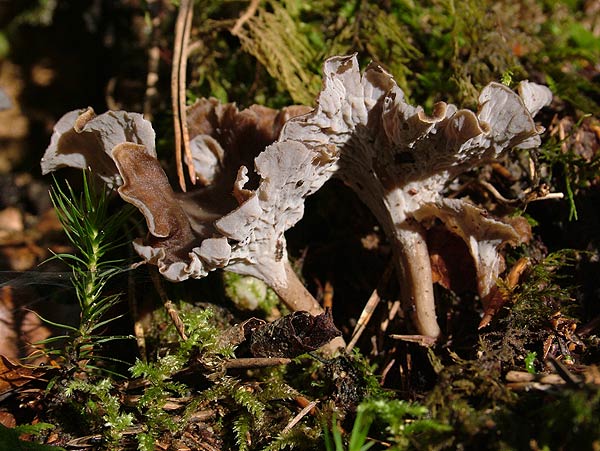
[561,419]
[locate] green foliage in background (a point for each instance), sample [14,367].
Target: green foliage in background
[436,49]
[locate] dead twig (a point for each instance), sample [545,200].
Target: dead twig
[422,340]
[178,84]
[364,319]
[529,195]
[255,362]
[385,371]
[328,296]
[393,311]
[153,60]
[368,310]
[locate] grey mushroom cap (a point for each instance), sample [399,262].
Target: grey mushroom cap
[83,140]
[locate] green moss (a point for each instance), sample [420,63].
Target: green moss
[467,396]
[561,419]
[276,39]
[249,293]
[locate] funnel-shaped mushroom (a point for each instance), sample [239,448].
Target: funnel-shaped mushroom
[224,225]
[398,160]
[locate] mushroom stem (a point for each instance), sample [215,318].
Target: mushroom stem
[417,285]
[295,295]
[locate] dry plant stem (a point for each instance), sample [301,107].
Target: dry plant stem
[422,340]
[523,376]
[294,421]
[178,82]
[109,97]
[385,372]
[244,17]
[364,318]
[138,328]
[369,308]
[295,295]
[563,371]
[328,295]
[417,284]
[392,312]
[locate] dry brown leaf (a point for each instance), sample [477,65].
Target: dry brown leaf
[14,375]
[498,297]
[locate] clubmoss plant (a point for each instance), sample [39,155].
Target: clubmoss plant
[95,233]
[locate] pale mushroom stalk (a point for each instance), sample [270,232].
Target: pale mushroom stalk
[412,255]
[295,295]
[408,241]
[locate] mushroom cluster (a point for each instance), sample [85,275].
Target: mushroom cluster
[258,165]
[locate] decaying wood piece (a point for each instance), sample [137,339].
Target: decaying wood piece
[293,335]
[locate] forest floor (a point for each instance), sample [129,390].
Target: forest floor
[137,362]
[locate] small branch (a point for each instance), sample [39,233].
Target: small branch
[531,196]
[385,372]
[153,60]
[169,306]
[368,310]
[363,319]
[328,295]
[298,417]
[109,95]
[422,340]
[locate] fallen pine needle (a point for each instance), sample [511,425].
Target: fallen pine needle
[311,405]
